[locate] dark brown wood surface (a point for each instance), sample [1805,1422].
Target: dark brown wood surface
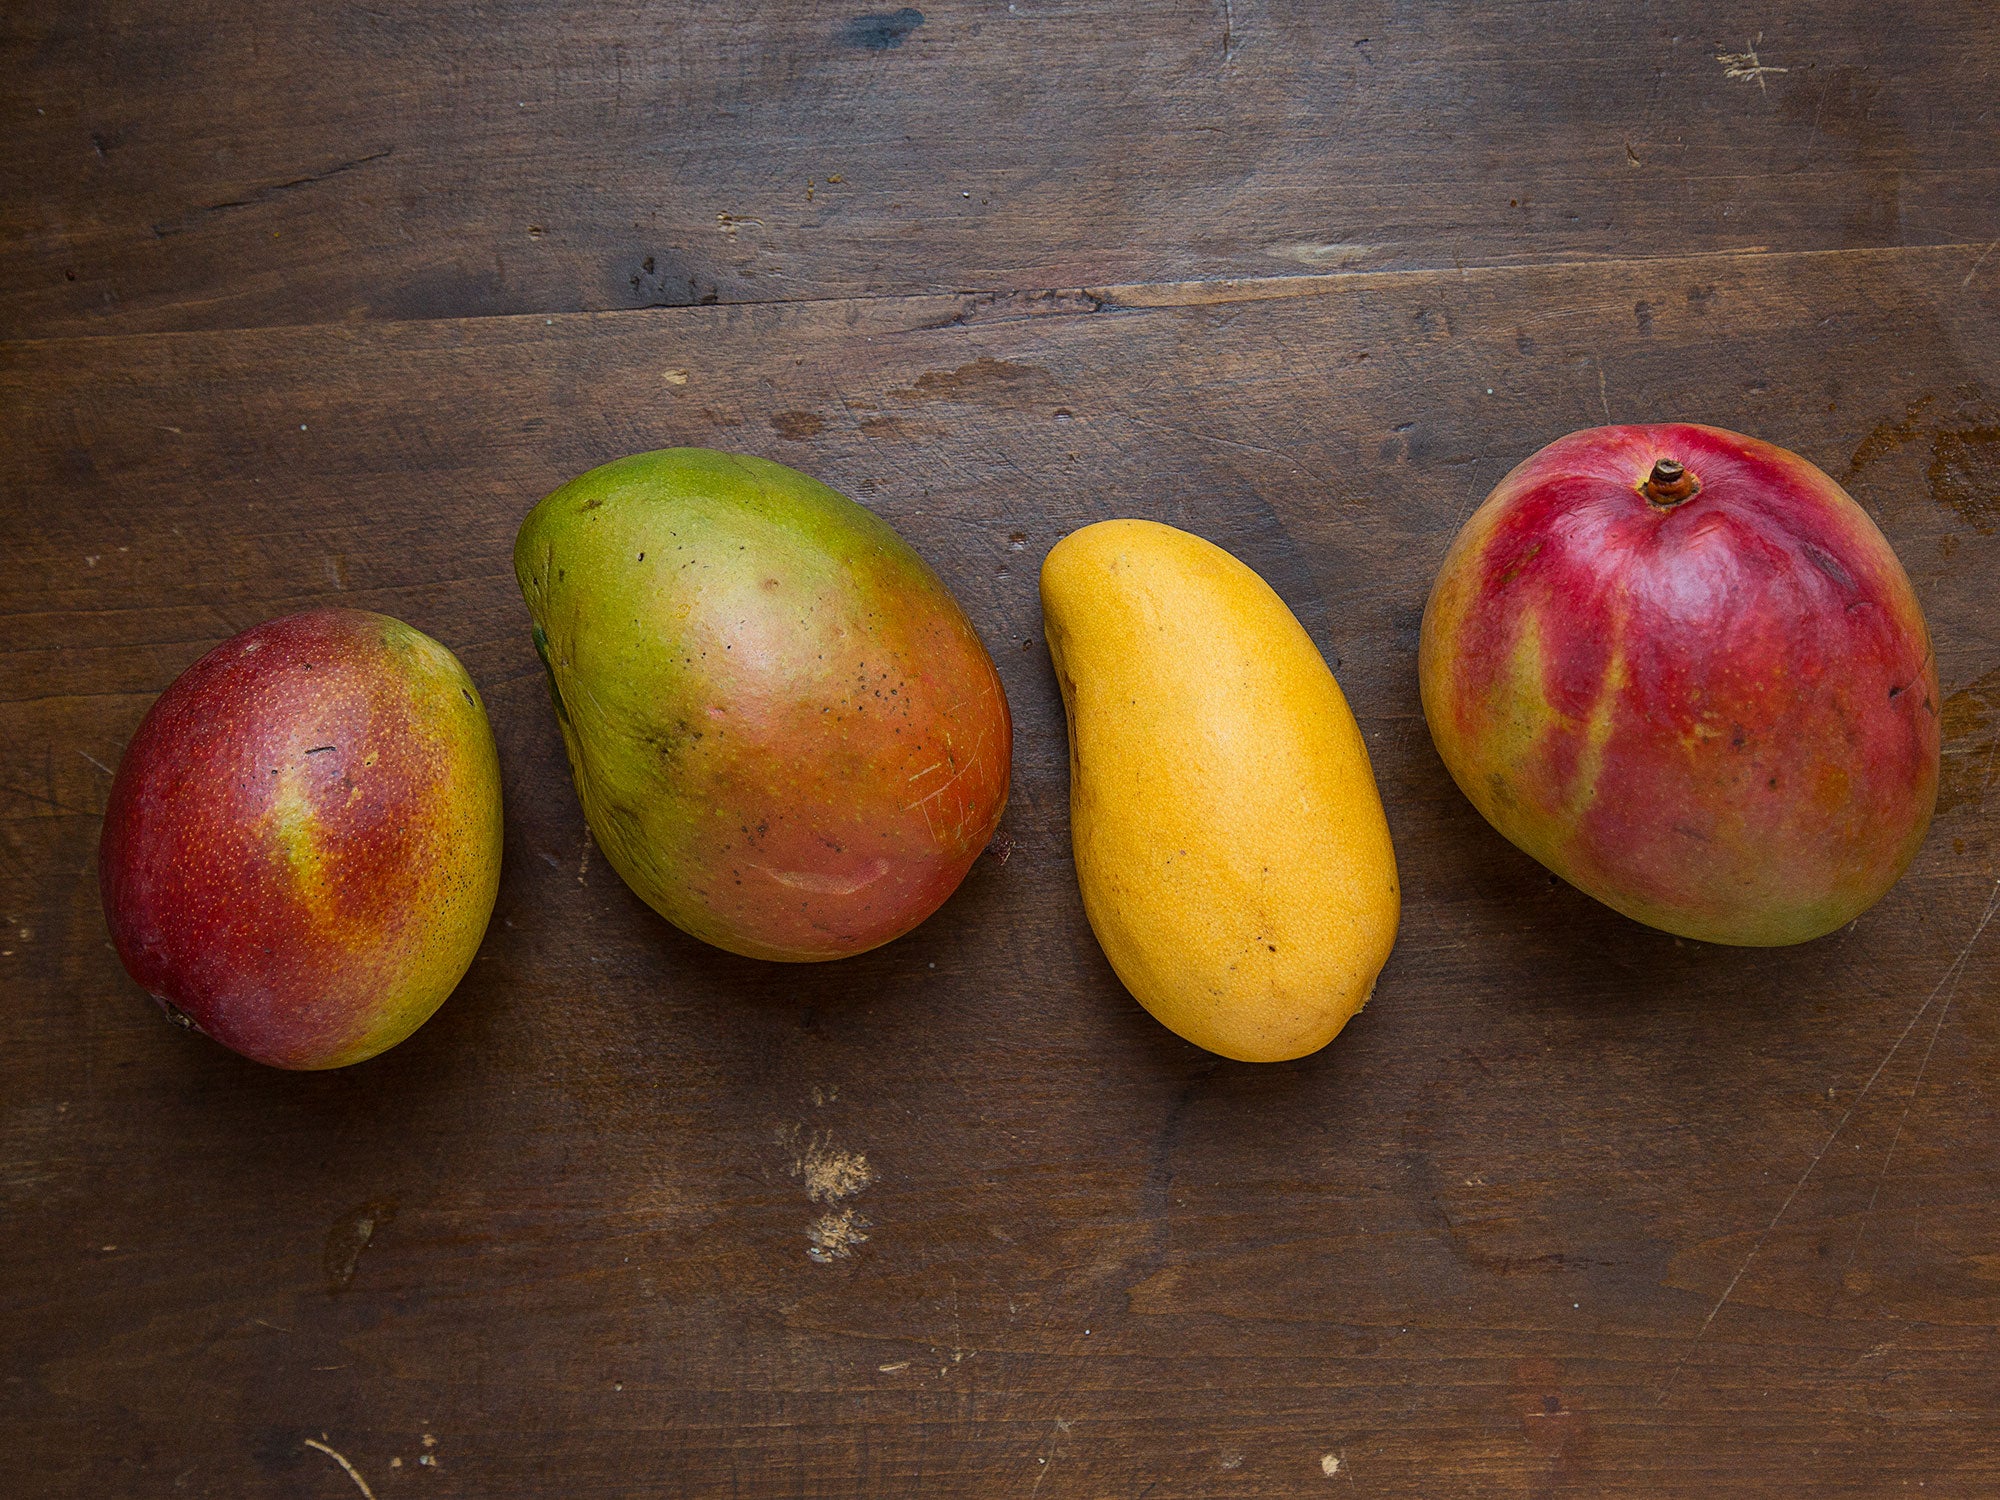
[1573,1208]
[213,163]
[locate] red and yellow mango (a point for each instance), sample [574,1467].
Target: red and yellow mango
[302,845]
[1684,670]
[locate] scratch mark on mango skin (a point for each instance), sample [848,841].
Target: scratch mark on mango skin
[971,763]
[828,885]
[1948,986]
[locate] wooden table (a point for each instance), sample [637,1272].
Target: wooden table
[308,304]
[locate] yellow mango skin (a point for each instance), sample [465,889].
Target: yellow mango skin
[1230,842]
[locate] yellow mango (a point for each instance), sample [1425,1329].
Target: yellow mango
[1230,843]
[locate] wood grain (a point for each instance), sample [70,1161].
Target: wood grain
[184,164]
[1574,1208]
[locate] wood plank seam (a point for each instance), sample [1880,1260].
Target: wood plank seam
[984,308]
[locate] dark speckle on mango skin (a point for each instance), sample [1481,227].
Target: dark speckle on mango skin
[302,843]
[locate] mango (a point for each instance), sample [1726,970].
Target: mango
[787,737]
[1230,842]
[302,845]
[1683,669]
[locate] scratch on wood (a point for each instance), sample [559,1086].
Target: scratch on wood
[1009,307]
[1956,973]
[351,1234]
[341,1459]
[1060,1426]
[830,1173]
[1978,263]
[1745,66]
[1318,253]
[1209,437]
[1228,32]
[1950,979]
[60,807]
[265,194]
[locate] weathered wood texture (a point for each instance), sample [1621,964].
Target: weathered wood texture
[1574,1208]
[209,163]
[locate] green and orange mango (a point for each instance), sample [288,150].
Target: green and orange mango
[786,736]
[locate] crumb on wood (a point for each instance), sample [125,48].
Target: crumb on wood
[831,1173]
[833,1235]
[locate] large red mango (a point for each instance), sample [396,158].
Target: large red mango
[1685,671]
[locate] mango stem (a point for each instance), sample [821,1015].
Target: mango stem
[1670,484]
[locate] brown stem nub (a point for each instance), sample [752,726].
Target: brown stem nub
[1669,484]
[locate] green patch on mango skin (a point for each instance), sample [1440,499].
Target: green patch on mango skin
[541,640]
[1529,799]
